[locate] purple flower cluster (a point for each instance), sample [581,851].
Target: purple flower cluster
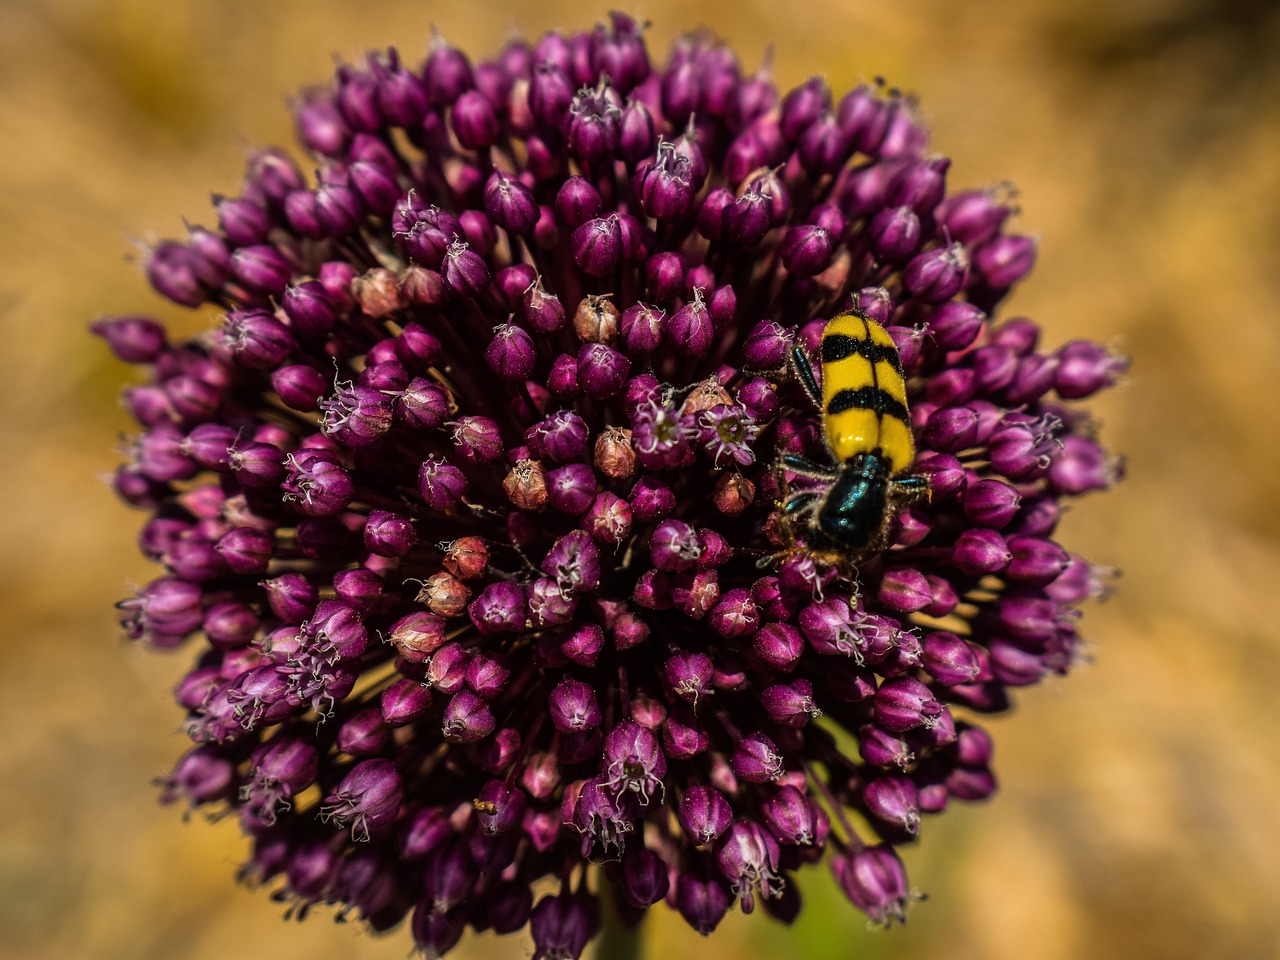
[472,499]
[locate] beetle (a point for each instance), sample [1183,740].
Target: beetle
[867,428]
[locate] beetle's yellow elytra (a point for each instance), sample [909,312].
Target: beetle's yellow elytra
[864,396]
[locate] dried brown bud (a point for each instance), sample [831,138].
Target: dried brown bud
[615,457]
[705,395]
[378,292]
[526,485]
[835,279]
[423,287]
[596,320]
[445,594]
[417,636]
[466,558]
[734,493]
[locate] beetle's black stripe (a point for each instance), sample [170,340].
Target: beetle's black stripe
[868,398]
[838,346]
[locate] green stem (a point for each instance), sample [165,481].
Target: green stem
[617,941]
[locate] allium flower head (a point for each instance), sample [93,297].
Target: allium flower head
[471,498]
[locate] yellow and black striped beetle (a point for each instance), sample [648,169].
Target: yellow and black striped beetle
[868,433]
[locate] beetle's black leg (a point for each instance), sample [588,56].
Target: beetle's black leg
[804,371]
[910,489]
[807,468]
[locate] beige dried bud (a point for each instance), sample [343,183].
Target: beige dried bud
[615,456]
[596,320]
[526,485]
[417,636]
[835,279]
[378,292]
[733,494]
[423,287]
[705,395]
[445,594]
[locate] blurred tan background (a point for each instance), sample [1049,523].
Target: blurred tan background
[1140,809]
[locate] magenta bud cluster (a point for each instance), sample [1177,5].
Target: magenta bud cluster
[469,506]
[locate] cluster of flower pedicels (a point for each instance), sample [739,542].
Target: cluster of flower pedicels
[473,497]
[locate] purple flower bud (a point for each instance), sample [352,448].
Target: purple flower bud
[474,122]
[171,270]
[299,386]
[951,429]
[368,797]
[702,900]
[991,503]
[562,926]
[511,353]
[664,185]
[895,234]
[597,246]
[477,439]
[256,339]
[633,761]
[441,483]
[645,877]
[423,405]
[756,759]
[688,674]
[950,659]
[674,546]
[981,551]
[748,858]
[464,271]
[875,880]
[806,250]
[883,749]
[825,145]
[204,775]
[893,799]
[803,106]
[499,806]
[601,370]
[487,675]
[972,216]
[574,560]
[1036,562]
[571,489]
[510,203]
[356,415]
[793,819]
[1084,368]
[1004,260]
[642,329]
[133,339]
[467,718]
[404,702]
[1082,466]
[389,534]
[322,127]
[637,135]
[746,220]
[574,707]
[690,328]
[919,185]
[246,550]
[262,269]
[937,275]
[500,608]
[735,615]
[317,484]
[903,704]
